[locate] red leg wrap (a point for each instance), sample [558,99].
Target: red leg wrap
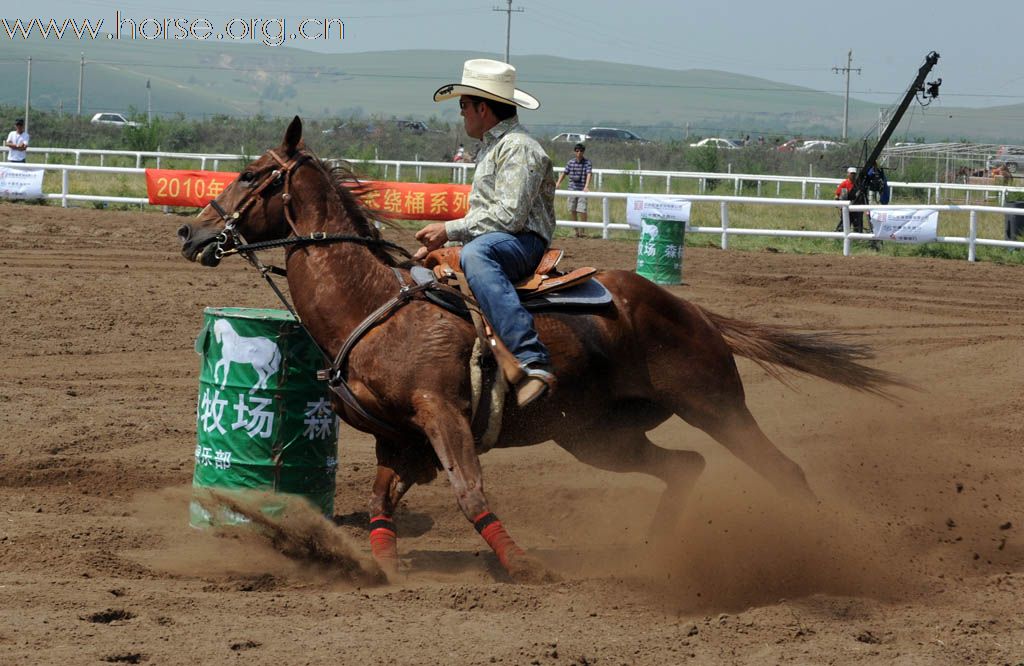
[383,541]
[498,538]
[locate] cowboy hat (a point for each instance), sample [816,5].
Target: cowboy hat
[490,79]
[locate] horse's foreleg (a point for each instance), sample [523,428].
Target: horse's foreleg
[450,436]
[397,471]
[388,489]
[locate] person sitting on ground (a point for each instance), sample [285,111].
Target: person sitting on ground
[511,216]
[578,170]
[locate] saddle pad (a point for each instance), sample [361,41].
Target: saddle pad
[589,295]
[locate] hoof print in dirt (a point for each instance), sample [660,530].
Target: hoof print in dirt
[108,616]
[245,645]
[130,658]
[868,637]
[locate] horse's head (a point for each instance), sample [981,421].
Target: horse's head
[252,207]
[220,327]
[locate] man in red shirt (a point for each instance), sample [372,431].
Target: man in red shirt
[843,192]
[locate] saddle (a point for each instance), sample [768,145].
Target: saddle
[446,262]
[547,289]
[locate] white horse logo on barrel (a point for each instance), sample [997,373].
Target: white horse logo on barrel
[262,354]
[648,230]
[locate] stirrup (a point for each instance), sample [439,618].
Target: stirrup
[535,384]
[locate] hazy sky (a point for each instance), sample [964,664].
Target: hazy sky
[793,41]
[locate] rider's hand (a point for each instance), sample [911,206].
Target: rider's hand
[433,236]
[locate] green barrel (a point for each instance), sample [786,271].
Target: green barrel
[659,257]
[263,421]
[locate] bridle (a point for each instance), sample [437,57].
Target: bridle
[230,234]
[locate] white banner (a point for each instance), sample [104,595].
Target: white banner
[906,226]
[663,208]
[21,183]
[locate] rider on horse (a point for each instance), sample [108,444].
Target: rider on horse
[511,216]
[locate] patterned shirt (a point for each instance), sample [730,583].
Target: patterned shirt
[577,173]
[513,187]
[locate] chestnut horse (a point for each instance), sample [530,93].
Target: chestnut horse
[621,371]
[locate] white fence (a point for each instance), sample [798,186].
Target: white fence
[606,225]
[458,173]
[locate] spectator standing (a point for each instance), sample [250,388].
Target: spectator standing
[17,142]
[843,193]
[578,169]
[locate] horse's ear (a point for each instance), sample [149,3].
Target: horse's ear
[293,135]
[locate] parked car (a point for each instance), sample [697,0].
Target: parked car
[414,126]
[716,142]
[818,144]
[354,127]
[790,146]
[613,134]
[570,137]
[112,119]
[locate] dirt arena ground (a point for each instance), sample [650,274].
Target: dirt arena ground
[914,555]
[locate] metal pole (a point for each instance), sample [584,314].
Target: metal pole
[846,70]
[508,26]
[28,91]
[508,30]
[81,76]
[846,104]
[149,103]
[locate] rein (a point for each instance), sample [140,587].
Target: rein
[315,238]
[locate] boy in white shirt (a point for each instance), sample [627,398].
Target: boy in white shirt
[17,142]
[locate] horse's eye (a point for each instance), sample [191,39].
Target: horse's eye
[247,176]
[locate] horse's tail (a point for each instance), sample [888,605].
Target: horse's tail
[821,354]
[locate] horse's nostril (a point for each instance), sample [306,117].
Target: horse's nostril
[184,233]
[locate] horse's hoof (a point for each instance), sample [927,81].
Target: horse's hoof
[529,571]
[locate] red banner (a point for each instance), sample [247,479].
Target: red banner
[172,187]
[402,201]
[418,201]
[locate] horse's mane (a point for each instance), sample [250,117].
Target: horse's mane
[351,190]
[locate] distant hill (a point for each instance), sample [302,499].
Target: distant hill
[200,79]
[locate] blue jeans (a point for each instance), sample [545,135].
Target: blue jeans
[492,264]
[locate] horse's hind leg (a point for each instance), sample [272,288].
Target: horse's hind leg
[735,429]
[704,388]
[629,450]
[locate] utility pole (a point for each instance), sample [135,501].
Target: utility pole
[508,28]
[149,104]
[81,75]
[28,91]
[846,70]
